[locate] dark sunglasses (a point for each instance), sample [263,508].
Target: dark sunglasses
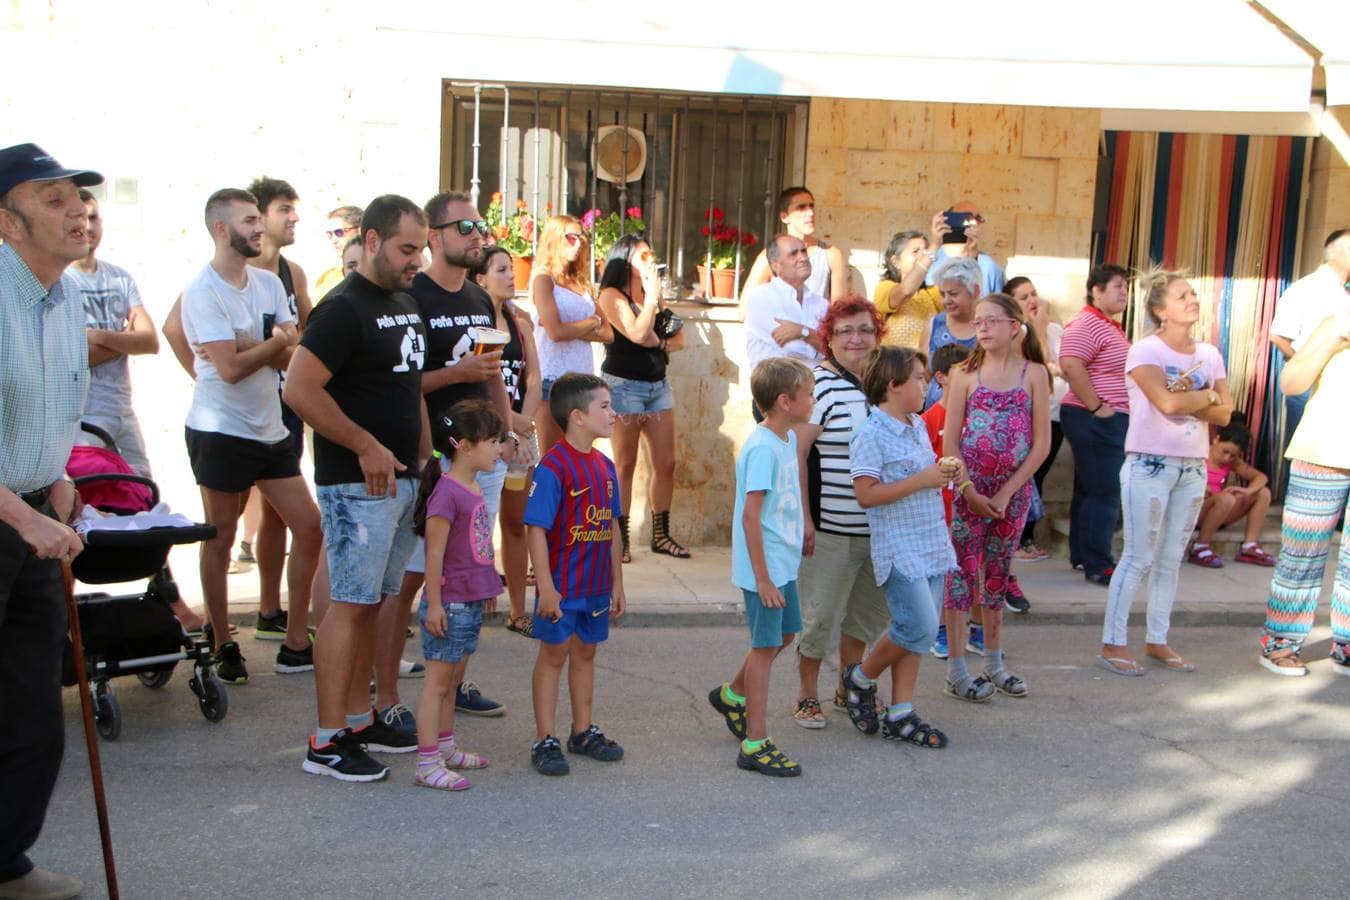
[339,232]
[465,227]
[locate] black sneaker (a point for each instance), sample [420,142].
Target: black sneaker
[1014,599]
[593,743]
[861,702]
[271,628]
[547,757]
[733,715]
[289,660]
[344,759]
[382,737]
[230,664]
[768,760]
[470,701]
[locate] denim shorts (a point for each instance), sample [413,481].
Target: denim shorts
[769,626]
[368,539]
[465,621]
[914,604]
[631,397]
[491,485]
[585,617]
[545,388]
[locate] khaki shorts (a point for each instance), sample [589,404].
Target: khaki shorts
[839,592]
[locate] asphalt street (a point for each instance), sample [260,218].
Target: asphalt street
[1229,781]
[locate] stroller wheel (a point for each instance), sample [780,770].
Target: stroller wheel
[214,702]
[156,679]
[107,713]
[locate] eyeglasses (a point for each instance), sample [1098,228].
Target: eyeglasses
[339,232]
[849,331]
[572,237]
[464,226]
[989,321]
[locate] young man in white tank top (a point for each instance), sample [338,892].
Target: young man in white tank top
[829,274]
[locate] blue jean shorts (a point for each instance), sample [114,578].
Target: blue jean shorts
[914,605]
[585,617]
[769,626]
[368,539]
[465,621]
[631,397]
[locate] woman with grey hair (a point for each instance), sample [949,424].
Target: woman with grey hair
[960,281]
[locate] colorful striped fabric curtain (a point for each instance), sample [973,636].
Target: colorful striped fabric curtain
[1227,209]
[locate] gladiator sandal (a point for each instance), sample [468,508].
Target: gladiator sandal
[662,542]
[623,533]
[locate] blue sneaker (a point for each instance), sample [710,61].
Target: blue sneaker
[940,645]
[400,720]
[470,701]
[975,643]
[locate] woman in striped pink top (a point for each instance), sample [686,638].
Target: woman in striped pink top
[1095,416]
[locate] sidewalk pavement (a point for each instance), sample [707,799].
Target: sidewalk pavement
[663,591]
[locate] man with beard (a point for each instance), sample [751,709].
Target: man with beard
[453,306]
[43,226]
[357,380]
[277,201]
[238,323]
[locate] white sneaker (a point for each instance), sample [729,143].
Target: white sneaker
[39,884]
[408,669]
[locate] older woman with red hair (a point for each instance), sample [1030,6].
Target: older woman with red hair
[839,595]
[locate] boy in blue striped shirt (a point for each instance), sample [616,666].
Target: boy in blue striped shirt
[573,545]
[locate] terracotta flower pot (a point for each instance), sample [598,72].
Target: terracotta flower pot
[520,272]
[718,283]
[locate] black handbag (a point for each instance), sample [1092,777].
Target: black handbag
[668,324]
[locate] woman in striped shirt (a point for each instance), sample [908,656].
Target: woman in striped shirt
[1095,416]
[839,594]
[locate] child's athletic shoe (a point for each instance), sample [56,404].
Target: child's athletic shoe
[343,758]
[383,737]
[862,702]
[767,760]
[230,664]
[1014,599]
[732,713]
[593,743]
[290,661]
[975,643]
[940,645]
[547,757]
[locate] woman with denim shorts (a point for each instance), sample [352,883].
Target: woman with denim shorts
[566,322]
[1178,388]
[635,369]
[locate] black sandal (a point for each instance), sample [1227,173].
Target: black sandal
[913,730]
[662,542]
[627,556]
[861,703]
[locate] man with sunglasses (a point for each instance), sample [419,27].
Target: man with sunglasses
[453,306]
[344,223]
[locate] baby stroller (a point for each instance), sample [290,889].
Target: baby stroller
[132,633]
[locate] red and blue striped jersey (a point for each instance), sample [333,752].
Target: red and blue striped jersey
[575,498]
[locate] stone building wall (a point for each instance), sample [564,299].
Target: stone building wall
[1328,206]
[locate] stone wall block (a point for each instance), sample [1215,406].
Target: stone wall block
[1076,187]
[1002,185]
[968,128]
[878,178]
[827,175]
[1054,236]
[1055,133]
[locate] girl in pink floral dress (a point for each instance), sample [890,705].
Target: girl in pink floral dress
[998,422]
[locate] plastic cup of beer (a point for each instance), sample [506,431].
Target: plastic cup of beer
[489,340]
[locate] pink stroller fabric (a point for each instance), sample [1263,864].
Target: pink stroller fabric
[119,496]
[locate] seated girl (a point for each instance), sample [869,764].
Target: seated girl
[1228,501]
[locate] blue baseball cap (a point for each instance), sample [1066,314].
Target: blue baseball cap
[29,162]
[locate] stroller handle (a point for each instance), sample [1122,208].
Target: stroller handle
[120,476]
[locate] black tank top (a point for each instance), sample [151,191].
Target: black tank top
[513,363]
[625,359]
[288,282]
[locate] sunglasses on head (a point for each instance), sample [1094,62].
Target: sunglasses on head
[465,227]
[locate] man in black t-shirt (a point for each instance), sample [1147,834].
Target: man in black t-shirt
[452,307]
[356,378]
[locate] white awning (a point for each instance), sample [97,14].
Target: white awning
[1326,25]
[1219,55]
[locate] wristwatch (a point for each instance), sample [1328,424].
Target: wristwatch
[806,332]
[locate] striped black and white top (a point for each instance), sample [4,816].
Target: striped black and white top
[840,411]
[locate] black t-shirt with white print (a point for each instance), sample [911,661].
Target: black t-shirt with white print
[450,318]
[373,342]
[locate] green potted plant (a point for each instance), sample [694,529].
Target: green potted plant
[516,235]
[605,230]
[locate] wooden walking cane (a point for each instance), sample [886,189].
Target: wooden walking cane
[90,737]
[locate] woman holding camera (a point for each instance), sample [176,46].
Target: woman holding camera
[635,369]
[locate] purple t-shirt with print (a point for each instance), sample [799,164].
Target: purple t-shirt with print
[468,573]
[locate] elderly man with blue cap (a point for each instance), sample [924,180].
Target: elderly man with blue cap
[44,373]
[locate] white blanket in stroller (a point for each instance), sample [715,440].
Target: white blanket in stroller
[92,519]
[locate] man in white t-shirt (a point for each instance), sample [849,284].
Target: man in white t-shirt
[1303,306]
[116,326]
[238,323]
[781,317]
